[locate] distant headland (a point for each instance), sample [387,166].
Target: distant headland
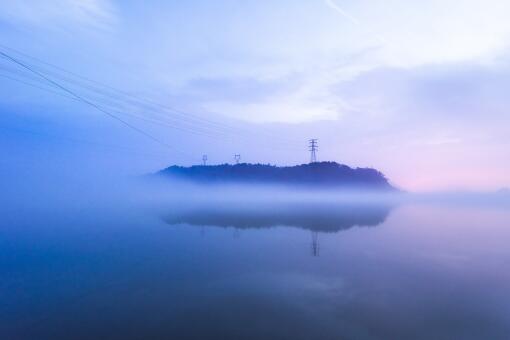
[317,174]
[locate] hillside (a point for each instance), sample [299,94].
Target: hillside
[320,174]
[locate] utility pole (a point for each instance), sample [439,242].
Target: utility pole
[237,157]
[313,147]
[315,243]
[204,160]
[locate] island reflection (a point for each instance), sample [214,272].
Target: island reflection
[317,217]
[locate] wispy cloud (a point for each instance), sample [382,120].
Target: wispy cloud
[59,14]
[333,5]
[342,12]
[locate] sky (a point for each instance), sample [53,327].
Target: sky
[416,89]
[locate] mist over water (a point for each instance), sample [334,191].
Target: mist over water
[130,258]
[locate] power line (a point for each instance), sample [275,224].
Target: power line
[149,120]
[129,97]
[190,118]
[84,100]
[105,102]
[80,141]
[153,121]
[113,102]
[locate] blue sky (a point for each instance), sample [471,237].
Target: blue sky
[416,89]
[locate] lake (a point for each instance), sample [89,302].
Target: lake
[264,270]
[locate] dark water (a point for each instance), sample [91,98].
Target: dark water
[259,271]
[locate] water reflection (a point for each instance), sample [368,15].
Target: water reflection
[432,272]
[316,217]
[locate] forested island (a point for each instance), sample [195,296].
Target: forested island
[318,175]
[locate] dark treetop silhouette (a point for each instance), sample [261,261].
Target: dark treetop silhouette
[320,174]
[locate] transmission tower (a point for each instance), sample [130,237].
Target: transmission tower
[313,147]
[204,160]
[237,157]
[315,243]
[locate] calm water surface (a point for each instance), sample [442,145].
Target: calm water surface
[262,271]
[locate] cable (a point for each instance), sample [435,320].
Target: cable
[121,92]
[192,119]
[86,101]
[114,104]
[74,140]
[115,109]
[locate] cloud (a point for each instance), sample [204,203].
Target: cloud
[59,14]
[447,92]
[342,12]
[239,89]
[334,50]
[438,31]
